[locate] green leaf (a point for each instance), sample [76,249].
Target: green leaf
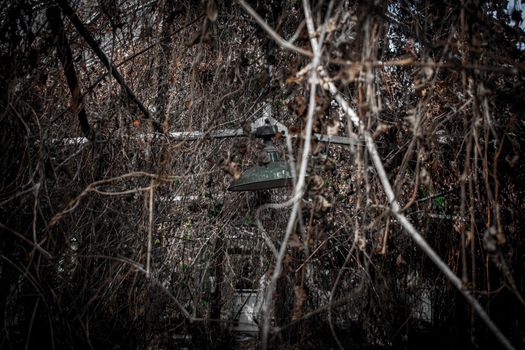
[440,202]
[248,220]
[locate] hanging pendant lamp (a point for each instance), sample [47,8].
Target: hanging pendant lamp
[275,174]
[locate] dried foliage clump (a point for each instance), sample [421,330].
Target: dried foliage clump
[116,232]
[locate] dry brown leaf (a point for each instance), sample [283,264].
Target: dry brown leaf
[295,241]
[278,136]
[295,130]
[329,164]
[300,298]
[332,128]
[316,183]
[294,80]
[233,169]
[242,147]
[287,264]
[400,261]
[300,105]
[381,128]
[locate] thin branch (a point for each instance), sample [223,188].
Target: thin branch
[37,246]
[140,268]
[66,58]
[84,32]
[93,188]
[407,225]
[299,187]
[280,41]
[150,227]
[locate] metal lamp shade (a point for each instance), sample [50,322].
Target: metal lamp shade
[274,175]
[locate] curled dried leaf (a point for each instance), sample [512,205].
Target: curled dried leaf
[316,183]
[233,169]
[295,241]
[333,127]
[381,129]
[300,105]
[322,205]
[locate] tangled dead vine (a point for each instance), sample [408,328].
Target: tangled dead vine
[116,234]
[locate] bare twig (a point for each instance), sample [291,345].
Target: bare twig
[299,187]
[150,227]
[283,43]
[37,246]
[141,269]
[407,225]
[70,13]
[93,188]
